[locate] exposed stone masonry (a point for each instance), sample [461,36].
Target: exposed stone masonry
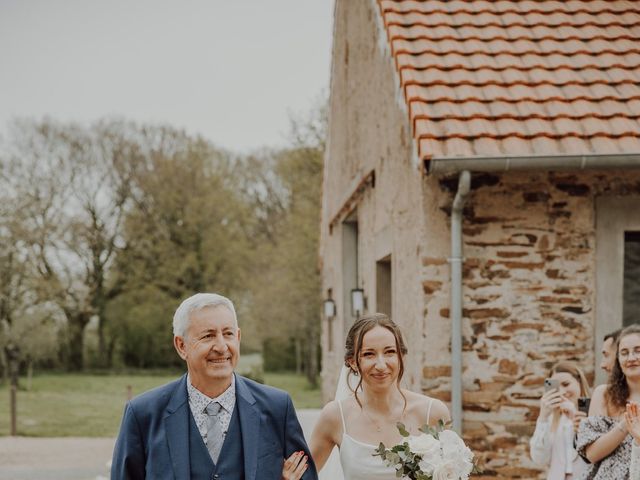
[529,246]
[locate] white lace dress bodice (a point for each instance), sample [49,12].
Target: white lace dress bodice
[357,460]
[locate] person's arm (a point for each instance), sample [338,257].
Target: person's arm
[540,443]
[128,461]
[325,434]
[632,417]
[604,445]
[634,465]
[294,441]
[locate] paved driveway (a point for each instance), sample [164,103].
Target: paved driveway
[68,458]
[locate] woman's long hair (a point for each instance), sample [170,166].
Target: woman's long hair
[353,346]
[576,372]
[617,392]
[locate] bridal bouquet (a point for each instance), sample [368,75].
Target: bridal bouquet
[435,454]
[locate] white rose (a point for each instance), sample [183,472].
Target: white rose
[446,471]
[456,453]
[423,443]
[428,447]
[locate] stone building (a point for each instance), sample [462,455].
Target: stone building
[482,186]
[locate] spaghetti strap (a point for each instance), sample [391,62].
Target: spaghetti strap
[344,426]
[428,410]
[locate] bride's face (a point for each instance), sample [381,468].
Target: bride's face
[378,358]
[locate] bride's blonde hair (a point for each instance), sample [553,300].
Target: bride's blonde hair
[353,346]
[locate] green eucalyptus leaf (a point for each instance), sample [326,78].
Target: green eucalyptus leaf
[402,429]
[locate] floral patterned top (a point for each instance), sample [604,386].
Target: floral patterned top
[617,465]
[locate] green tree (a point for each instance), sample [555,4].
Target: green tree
[287,288]
[186,232]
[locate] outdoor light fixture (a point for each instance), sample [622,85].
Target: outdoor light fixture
[357,302]
[329,308]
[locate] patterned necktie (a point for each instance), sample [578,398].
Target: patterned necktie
[215,435]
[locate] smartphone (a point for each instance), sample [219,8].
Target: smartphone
[550,384]
[583,404]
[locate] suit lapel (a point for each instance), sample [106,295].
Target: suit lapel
[249,417]
[176,424]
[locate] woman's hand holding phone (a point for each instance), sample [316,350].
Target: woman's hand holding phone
[550,401]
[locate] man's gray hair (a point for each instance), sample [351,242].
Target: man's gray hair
[197,302]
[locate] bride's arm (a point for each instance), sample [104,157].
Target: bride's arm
[326,434]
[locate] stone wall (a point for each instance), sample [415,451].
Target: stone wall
[529,294]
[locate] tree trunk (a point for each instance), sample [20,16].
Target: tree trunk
[298,356]
[13,364]
[76,324]
[312,360]
[102,347]
[5,368]
[29,374]
[111,347]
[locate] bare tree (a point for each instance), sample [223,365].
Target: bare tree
[76,191]
[27,331]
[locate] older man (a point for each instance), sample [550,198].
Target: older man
[211,423]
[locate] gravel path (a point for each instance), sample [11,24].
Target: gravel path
[69,458]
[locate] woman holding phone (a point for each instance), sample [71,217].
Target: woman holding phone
[559,418]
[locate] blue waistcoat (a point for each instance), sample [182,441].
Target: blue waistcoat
[230,464]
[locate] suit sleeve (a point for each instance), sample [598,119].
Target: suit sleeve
[294,440]
[128,461]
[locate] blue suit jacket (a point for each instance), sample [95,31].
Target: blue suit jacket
[153,442]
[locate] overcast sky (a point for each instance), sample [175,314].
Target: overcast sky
[230,70]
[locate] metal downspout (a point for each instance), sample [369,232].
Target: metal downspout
[464,184]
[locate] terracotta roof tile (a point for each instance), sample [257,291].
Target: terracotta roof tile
[458,147]
[629,144]
[516,146]
[571,144]
[526,77]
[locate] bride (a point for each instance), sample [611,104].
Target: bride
[368,405]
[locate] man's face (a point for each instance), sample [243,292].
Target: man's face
[211,347]
[608,356]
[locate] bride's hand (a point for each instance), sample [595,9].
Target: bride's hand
[294,466]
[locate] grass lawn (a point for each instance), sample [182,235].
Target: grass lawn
[86,405]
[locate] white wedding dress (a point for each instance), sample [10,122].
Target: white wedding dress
[357,458]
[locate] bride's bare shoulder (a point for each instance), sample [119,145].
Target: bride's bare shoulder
[436,409]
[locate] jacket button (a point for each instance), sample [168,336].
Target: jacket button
[216,477]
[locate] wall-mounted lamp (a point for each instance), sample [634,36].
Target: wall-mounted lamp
[357,302]
[329,308]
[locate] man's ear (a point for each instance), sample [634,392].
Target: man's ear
[179,344]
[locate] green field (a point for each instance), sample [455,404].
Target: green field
[83,405]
